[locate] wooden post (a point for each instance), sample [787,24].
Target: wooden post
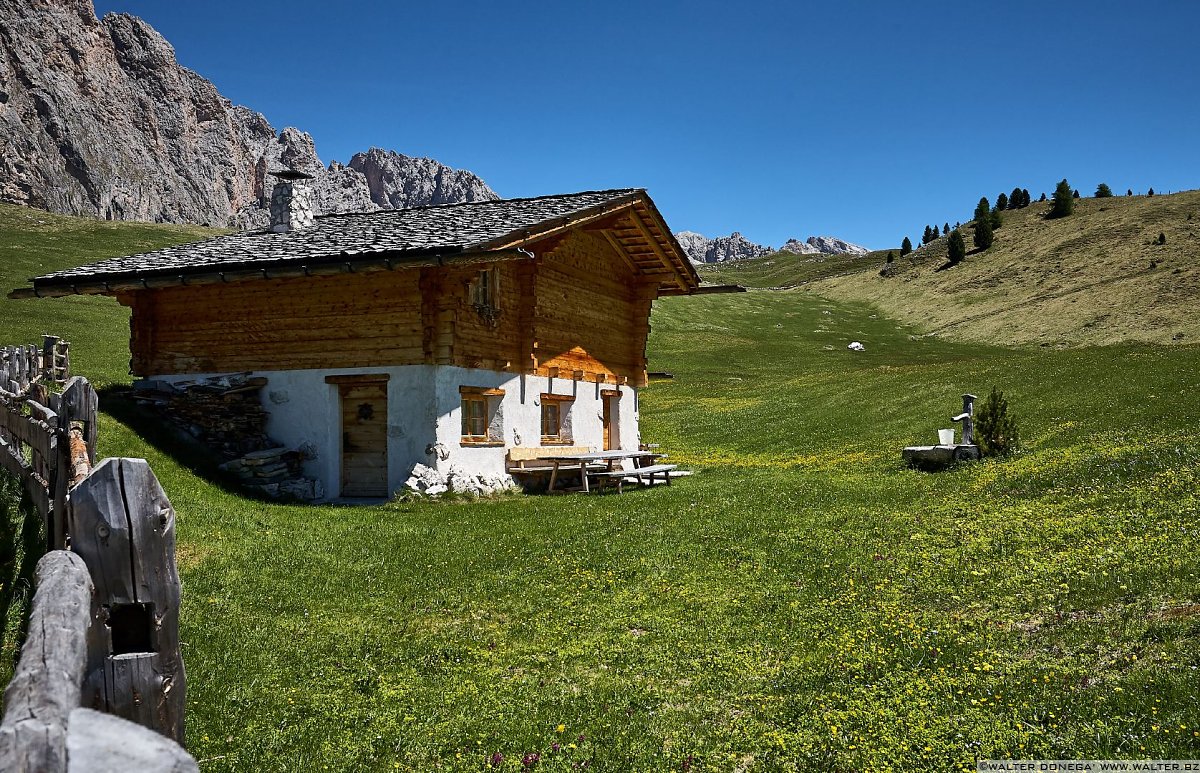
[49,349]
[46,686]
[123,526]
[81,404]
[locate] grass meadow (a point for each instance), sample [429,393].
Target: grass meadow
[803,602]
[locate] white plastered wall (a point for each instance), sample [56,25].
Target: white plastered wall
[424,408]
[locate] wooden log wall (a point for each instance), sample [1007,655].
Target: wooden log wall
[591,316]
[342,321]
[578,308]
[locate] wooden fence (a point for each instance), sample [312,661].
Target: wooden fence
[104,624]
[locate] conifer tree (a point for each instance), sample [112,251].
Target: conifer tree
[1014,199]
[1129,192]
[983,233]
[1103,191]
[995,219]
[1150,192]
[957,248]
[945,229]
[1002,202]
[1025,198]
[905,247]
[1063,200]
[1075,193]
[1043,198]
[983,209]
[925,237]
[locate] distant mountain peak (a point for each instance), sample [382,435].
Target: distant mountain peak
[701,249]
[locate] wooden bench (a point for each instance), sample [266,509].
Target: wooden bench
[524,460]
[650,471]
[618,477]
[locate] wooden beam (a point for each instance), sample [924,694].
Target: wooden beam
[359,378]
[637,221]
[616,245]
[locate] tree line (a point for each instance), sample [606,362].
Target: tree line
[987,219]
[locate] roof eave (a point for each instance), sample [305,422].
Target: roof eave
[325,266]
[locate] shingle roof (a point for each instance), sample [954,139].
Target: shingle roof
[414,232]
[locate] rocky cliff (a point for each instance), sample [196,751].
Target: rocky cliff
[98,118]
[733,247]
[701,249]
[831,246]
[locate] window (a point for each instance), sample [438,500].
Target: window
[484,293]
[485,289]
[556,419]
[481,416]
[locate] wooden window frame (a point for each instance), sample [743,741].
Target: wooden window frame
[484,294]
[478,396]
[557,401]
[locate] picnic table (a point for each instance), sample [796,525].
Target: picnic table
[603,464]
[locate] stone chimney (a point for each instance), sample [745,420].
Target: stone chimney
[291,201]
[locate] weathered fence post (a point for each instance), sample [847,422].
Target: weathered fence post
[81,404]
[49,350]
[46,686]
[123,526]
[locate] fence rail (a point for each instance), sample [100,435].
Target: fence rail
[104,625]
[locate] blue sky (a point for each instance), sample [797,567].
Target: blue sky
[863,120]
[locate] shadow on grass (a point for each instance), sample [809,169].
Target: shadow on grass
[191,454]
[22,544]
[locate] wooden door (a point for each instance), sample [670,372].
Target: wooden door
[609,419]
[364,439]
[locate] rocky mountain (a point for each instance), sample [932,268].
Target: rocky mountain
[701,249]
[798,247]
[831,246]
[98,118]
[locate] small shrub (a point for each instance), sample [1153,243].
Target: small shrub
[996,430]
[1162,238]
[1150,192]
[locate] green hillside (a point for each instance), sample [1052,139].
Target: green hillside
[785,269]
[33,242]
[803,603]
[1096,277]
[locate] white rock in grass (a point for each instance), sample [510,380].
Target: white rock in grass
[855,346]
